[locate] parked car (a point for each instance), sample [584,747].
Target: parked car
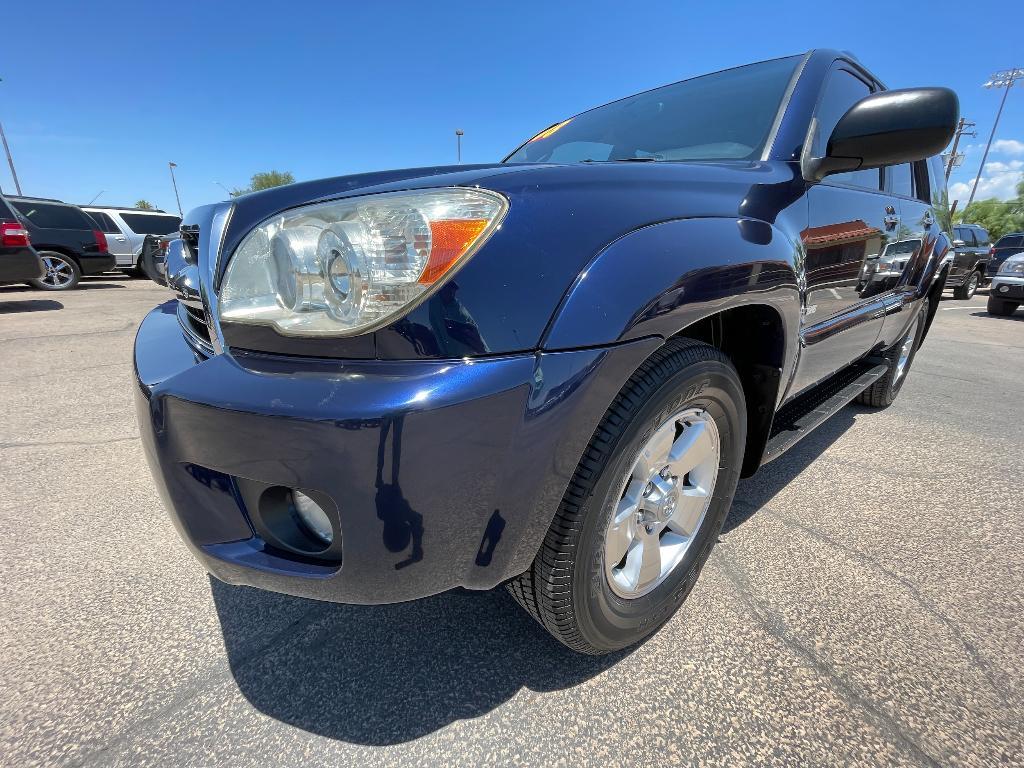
[19,261]
[67,240]
[1007,291]
[549,372]
[1007,245]
[126,230]
[972,247]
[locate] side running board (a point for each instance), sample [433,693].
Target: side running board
[799,417]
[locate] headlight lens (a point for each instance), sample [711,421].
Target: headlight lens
[346,267]
[1014,265]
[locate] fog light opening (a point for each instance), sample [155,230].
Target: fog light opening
[313,518]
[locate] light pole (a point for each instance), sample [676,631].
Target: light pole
[172,166]
[458,144]
[10,160]
[963,129]
[1004,79]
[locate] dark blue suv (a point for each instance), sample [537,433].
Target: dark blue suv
[549,372]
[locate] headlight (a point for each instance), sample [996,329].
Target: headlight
[1014,265]
[350,266]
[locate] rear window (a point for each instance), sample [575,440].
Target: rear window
[5,210]
[982,236]
[52,216]
[150,223]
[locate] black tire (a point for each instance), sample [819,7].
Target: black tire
[883,392]
[566,589]
[969,288]
[1001,307]
[62,272]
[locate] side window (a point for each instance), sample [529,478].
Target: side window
[105,223]
[968,236]
[842,91]
[983,238]
[901,180]
[49,216]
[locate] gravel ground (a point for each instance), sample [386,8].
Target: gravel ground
[865,605]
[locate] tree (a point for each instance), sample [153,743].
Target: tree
[996,216]
[265,180]
[144,205]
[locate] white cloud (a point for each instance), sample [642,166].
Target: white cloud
[1008,147]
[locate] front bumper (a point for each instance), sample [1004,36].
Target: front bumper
[438,473]
[1008,288]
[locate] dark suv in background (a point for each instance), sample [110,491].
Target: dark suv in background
[971,254]
[19,261]
[1004,247]
[67,240]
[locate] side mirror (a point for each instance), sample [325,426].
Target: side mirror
[887,128]
[153,262]
[959,243]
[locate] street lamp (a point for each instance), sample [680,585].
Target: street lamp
[458,144]
[172,166]
[1004,79]
[10,160]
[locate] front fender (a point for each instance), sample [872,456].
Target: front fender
[658,280]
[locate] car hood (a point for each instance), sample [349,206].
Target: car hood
[560,217]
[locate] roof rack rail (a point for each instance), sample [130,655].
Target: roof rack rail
[124,208]
[40,199]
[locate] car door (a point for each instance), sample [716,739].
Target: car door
[117,242]
[850,223]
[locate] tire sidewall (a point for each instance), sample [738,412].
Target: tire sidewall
[605,619]
[972,285]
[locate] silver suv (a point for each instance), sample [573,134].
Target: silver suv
[126,230]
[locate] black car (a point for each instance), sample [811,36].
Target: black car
[1005,246]
[19,261]
[548,372]
[67,240]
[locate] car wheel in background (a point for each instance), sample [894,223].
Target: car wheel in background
[969,288]
[645,505]
[61,273]
[900,356]
[1001,307]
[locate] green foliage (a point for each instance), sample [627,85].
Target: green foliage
[996,216]
[144,205]
[265,180]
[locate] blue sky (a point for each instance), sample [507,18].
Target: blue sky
[100,96]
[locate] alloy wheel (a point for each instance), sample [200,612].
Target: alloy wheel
[58,272]
[662,504]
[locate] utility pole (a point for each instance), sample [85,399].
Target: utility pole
[961,130]
[1004,79]
[10,160]
[458,144]
[172,166]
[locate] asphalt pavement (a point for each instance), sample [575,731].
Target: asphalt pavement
[865,605]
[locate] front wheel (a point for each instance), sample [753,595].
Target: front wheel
[969,288]
[61,273]
[1001,307]
[645,505]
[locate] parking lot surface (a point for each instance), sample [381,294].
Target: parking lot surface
[865,605]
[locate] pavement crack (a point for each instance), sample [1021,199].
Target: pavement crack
[69,442]
[775,626]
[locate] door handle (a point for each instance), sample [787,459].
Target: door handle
[120,239]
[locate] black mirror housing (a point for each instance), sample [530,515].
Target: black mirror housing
[888,128]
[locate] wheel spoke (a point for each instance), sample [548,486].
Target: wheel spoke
[622,530]
[689,511]
[654,456]
[693,447]
[643,563]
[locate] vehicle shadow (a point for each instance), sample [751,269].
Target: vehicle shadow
[755,492]
[379,675]
[1018,316]
[29,305]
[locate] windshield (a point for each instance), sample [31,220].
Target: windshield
[724,116]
